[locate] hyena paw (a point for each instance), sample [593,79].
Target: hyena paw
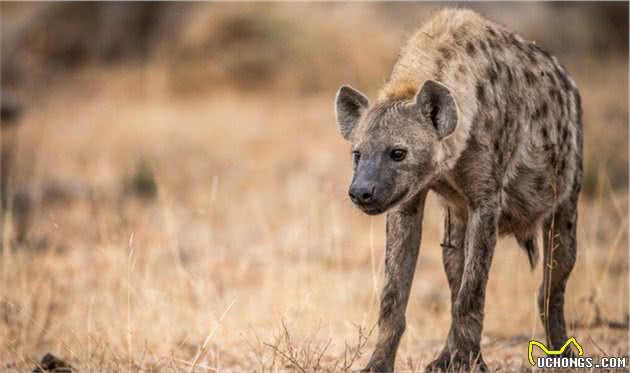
[378,367]
[448,362]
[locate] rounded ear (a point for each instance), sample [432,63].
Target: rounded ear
[349,105]
[435,102]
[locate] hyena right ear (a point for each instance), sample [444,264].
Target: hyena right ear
[349,105]
[436,103]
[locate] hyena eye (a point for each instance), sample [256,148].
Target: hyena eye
[398,154]
[356,156]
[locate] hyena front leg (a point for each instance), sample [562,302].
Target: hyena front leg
[453,260]
[404,230]
[463,348]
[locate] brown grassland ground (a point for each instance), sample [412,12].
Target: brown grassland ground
[250,256]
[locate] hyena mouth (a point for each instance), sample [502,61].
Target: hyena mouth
[381,208]
[369,210]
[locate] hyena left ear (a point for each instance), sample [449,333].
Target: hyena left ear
[435,102]
[349,104]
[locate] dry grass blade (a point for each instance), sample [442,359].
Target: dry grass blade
[357,351]
[202,348]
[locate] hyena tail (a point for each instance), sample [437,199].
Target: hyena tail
[530,245]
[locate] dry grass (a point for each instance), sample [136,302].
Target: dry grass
[181,229]
[250,257]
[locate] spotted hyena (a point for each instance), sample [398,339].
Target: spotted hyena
[491,123]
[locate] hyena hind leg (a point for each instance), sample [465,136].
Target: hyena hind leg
[560,249]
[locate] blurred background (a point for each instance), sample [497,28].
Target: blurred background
[174,187]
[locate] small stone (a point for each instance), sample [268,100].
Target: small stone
[51,363]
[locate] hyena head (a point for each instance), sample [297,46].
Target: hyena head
[394,144]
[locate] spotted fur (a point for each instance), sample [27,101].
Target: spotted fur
[492,124]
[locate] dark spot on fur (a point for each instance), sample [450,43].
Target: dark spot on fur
[565,134]
[470,49]
[569,225]
[488,124]
[492,44]
[510,76]
[545,133]
[491,31]
[446,53]
[536,114]
[459,35]
[461,69]
[481,93]
[496,145]
[499,67]
[530,78]
[492,75]
[555,94]
[544,110]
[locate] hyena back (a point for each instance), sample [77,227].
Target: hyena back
[492,124]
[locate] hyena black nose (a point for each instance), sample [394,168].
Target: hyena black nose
[362,193]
